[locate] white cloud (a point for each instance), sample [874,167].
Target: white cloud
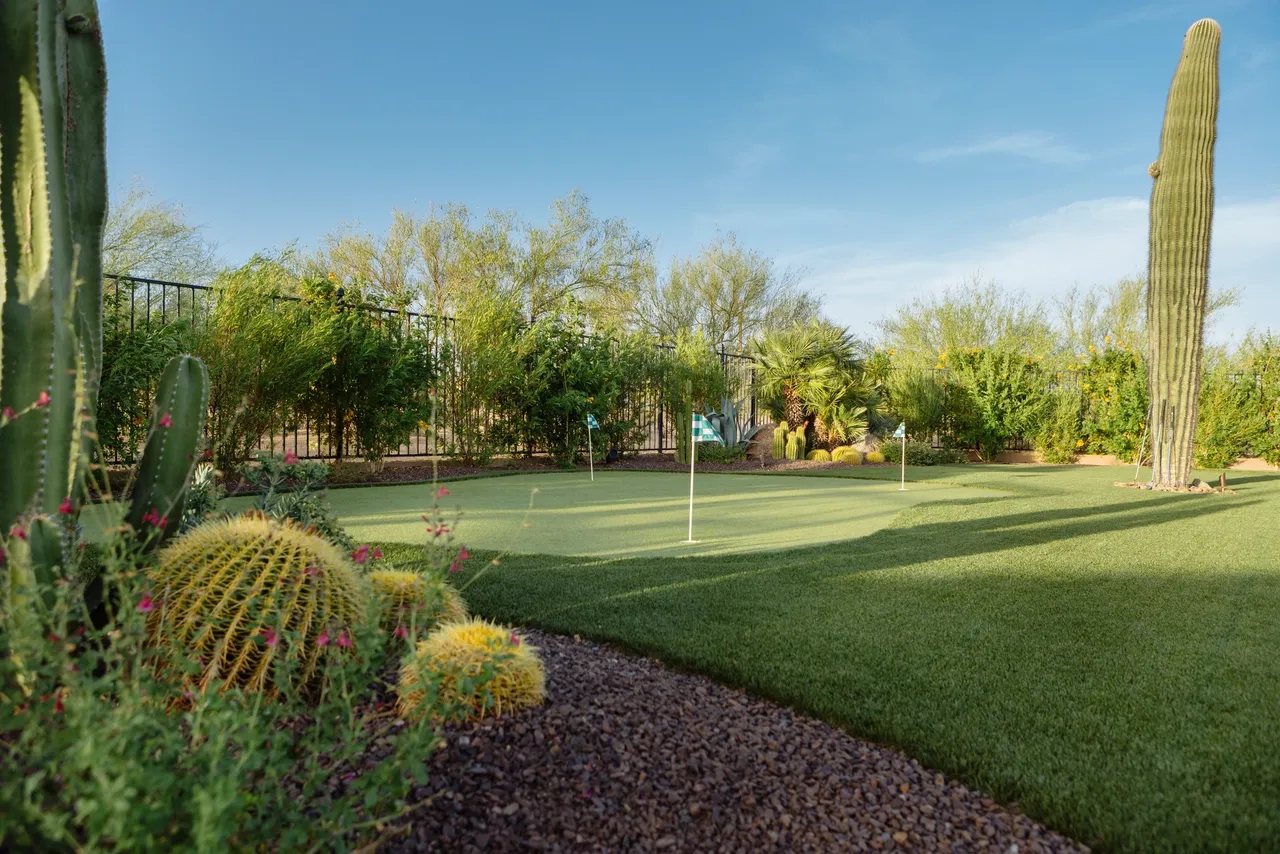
[1090,242]
[1031,145]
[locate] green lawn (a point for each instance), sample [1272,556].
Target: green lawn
[632,514]
[1107,658]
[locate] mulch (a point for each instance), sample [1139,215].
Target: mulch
[627,755]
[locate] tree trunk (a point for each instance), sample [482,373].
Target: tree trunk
[794,408]
[1178,261]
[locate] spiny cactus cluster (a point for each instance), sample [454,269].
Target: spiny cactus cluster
[848,455]
[237,593]
[413,599]
[466,652]
[780,442]
[874,457]
[818,456]
[795,445]
[1178,256]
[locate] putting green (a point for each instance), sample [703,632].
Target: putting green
[632,514]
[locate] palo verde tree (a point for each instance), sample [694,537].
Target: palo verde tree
[1178,260]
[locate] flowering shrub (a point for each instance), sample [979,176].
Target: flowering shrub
[1058,438]
[1114,385]
[292,489]
[922,454]
[1003,397]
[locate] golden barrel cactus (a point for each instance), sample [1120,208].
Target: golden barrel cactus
[464,651]
[237,593]
[818,456]
[401,593]
[874,457]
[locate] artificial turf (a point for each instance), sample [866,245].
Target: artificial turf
[632,514]
[1109,659]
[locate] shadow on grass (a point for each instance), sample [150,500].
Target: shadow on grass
[887,549]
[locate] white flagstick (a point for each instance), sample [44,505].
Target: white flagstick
[903,488]
[693,453]
[591,458]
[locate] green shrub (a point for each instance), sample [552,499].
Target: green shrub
[818,456]
[1231,418]
[922,454]
[1114,385]
[1004,398]
[709,452]
[1058,438]
[293,489]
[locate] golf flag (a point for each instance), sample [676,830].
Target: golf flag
[901,432]
[703,431]
[592,423]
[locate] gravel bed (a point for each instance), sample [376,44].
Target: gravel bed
[627,755]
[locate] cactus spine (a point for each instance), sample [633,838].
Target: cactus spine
[177,424]
[780,442]
[1178,259]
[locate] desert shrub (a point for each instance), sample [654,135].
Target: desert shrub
[709,452]
[1058,437]
[920,400]
[874,457]
[456,657]
[690,378]
[263,354]
[372,391]
[484,372]
[923,454]
[290,488]
[241,593]
[1232,420]
[818,456]
[132,361]
[1259,358]
[1114,385]
[1004,398]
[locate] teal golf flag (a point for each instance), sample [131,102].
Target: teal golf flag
[703,431]
[592,423]
[901,432]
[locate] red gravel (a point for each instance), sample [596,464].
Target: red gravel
[629,756]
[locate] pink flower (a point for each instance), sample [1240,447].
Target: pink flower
[53,638]
[18,531]
[162,522]
[344,639]
[361,554]
[463,554]
[401,632]
[146,605]
[65,507]
[312,570]
[43,399]
[152,517]
[323,640]
[1,556]
[442,492]
[166,420]
[455,566]
[377,554]
[290,458]
[57,704]
[443,529]
[270,636]
[7,414]
[515,641]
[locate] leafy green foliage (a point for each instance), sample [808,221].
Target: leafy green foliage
[1114,384]
[1232,419]
[293,489]
[710,452]
[923,454]
[1004,398]
[262,352]
[1058,437]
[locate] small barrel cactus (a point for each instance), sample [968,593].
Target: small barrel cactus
[874,457]
[780,442]
[848,455]
[236,593]
[818,456]
[401,593]
[461,653]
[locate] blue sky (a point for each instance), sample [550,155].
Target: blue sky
[888,149]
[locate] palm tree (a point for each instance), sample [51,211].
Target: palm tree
[801,364]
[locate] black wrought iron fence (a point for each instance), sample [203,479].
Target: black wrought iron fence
[144,303]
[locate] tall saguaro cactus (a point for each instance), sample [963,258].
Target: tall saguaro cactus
[1178,260]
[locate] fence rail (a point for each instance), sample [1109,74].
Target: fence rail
[149,303]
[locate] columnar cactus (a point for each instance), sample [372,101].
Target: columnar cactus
[1178,260]
[780,442]
[53,183]
[795,445]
